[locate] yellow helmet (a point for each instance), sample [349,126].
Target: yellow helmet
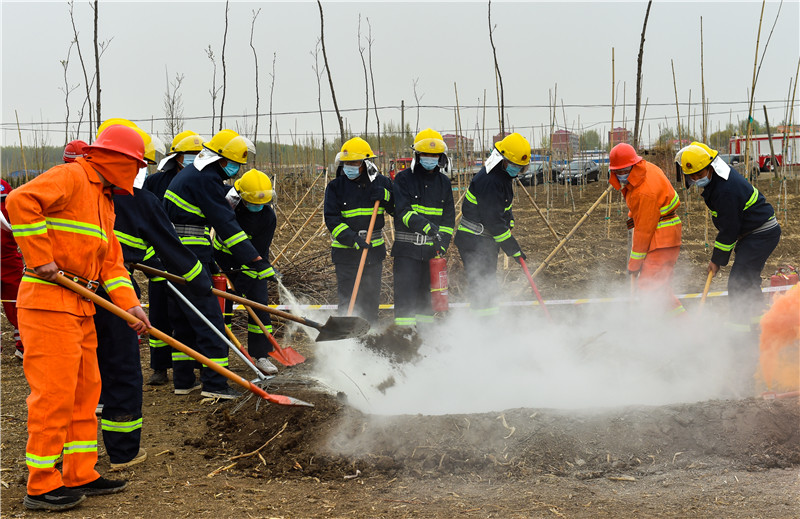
[695,157]
[150,145]
[229,145]
[178,138]
[515,148]
[255,187]
[355,149]
[429,141]
[189,144]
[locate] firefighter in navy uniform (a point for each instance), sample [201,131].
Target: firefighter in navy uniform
[143,230]
[746,225]
[185,147]
[349,201]
[424,219]
[487,220]
[195,202]
[250,198]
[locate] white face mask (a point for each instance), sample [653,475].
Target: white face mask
[623,179]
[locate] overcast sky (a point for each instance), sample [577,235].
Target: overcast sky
[438,44]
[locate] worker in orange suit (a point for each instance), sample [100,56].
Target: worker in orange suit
[652,204]
[63,221]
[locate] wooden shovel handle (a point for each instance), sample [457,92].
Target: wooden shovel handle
[705,289]
[363,258]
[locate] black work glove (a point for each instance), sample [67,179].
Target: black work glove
[519,256]
[378,193]
[361,243]
[431,230]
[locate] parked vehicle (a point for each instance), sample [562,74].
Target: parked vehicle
[736,161]
[579,171]
[535,174]
[397,165]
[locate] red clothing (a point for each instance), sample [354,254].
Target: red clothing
[64,216]
[10,265]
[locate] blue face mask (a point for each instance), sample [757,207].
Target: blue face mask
[429,162]
[188,159]
[231,169]
[703,182]
[513,169]
[352,172]
[253,207]
[623,179]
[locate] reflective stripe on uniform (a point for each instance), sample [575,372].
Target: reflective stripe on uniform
[86,229]
[115,283]
[502,237]
[192,240]
[669,223]
[724,247]
[31,279]
[237,238]
[41,462]
[638,255]
[196,270]
[752,200]
[470,197]
[254,328]
[670,206]
[130,241]
[78,447]
[405,321]
[430,211]
[183,204]
[30,229]
[157,343]
[123,427]
[179,356]
[360,211]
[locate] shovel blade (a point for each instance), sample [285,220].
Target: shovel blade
[287,400]
[293,356]
[346,327]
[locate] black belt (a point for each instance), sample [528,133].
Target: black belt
[88,284]
[190,230]
[376,235]
[477,228]
[412,237]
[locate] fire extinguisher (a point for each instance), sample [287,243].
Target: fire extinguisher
[439,295]
[221,284]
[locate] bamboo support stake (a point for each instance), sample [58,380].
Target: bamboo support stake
[303,198]
[285,218]
[309,240]
[569,235]
[316,210]
[21,149]
[680,138]
[539,212]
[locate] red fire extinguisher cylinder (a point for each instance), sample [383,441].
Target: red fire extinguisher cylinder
[439,294]
[221,284]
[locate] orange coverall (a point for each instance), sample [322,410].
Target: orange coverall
[652,204]
[64,216]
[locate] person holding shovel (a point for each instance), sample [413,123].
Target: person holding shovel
[652,204]
[745,222]
[185,147]
[424,219]
[63,221]
[250,198]
[487,220]
[350,201]
[195,201]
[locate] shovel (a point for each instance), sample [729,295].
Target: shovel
[535,290]
[335,329]
[287,356]
[158,334]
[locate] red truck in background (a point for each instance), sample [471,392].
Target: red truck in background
[398,165]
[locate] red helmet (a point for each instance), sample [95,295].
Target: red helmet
[73,150]
[121,139]
[622,156]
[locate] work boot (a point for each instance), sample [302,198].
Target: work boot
[158,378]
[140,457]
[62,498]
[101,486]
[226,393]
[267,367]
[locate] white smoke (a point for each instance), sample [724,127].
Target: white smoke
[605,356]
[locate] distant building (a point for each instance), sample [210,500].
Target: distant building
[618,135]
[564,141]
[458,143]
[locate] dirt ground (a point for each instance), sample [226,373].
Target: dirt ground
[734,458]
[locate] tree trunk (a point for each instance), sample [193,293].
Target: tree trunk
[639,78]
[327,68]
